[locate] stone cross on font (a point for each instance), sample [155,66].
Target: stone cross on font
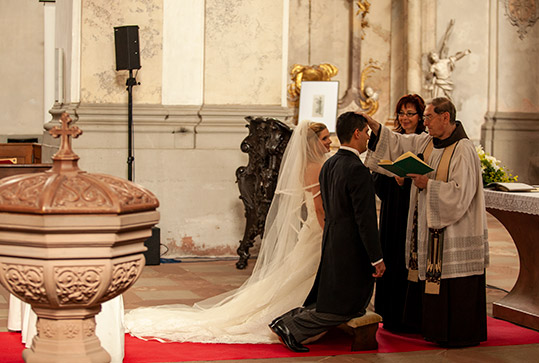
[65,132]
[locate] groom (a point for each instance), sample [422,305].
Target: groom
[351,253]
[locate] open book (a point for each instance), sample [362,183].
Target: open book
[512,187]
[407,163]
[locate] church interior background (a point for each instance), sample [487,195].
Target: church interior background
[208,64]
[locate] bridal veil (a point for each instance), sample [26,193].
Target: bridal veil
[282,275]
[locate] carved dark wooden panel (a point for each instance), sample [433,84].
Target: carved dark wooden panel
[265,145]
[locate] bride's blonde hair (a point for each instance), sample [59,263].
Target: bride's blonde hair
[317,127]
[315,150]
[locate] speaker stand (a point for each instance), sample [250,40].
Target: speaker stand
[130,83]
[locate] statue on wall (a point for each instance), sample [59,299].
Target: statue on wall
[441,66]
[257,181]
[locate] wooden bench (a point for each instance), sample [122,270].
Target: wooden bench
[363,330]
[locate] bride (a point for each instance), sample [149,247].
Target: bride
[285,269]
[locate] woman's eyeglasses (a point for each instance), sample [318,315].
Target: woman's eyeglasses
[407,114]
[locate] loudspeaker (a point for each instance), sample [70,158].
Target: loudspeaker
[153,244]
[127,47]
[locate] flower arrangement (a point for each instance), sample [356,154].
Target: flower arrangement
[492,170]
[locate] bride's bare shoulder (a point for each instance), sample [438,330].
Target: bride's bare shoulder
[312,171]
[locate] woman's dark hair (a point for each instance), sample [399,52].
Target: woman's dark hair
[418,103]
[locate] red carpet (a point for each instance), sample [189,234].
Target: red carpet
[336,343]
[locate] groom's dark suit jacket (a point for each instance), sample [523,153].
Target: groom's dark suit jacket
[344,282]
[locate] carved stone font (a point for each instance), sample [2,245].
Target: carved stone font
[70,240]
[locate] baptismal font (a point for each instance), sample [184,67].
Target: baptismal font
[69,241]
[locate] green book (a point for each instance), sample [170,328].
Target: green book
[407,163]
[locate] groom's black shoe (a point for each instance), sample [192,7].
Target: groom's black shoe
[286,337]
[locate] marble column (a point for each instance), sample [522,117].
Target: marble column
[413,47]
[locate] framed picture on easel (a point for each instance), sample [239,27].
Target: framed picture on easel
[318,102]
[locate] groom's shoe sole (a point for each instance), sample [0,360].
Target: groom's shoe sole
[286,337]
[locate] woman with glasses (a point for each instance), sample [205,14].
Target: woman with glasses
[394,192]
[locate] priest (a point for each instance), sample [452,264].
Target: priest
[446,239]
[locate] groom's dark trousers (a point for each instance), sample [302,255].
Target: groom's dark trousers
[344,283]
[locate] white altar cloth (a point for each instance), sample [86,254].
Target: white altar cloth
[523,202]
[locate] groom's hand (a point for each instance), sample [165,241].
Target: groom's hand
[380,269]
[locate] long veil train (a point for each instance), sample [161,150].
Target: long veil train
[281,279]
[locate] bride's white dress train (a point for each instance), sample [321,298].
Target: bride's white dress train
[244,316]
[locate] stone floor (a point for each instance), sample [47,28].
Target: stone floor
[192,280]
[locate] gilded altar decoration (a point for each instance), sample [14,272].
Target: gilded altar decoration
[299,73]
[363,11]
[368,99]
[523,14]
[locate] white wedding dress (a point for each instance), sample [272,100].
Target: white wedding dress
[282,277]
[244,318]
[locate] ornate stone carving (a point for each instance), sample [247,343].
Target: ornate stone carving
[265,145]
[77,284]
[71,330]
[88,327]
[131,197]
[67,189]
[45,328]
[523,14]
[25,193]
[79,192]
[26,281]
[123,276]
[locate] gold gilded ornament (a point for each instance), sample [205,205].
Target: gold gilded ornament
[299,73]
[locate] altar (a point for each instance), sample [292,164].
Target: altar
[519,214]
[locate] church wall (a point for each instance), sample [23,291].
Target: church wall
[517,65]
[376,45]
[187,146]
[470,76]
[100,82]
[511,127]
[21,46]
[319,33]
[183,56]
[243,52]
